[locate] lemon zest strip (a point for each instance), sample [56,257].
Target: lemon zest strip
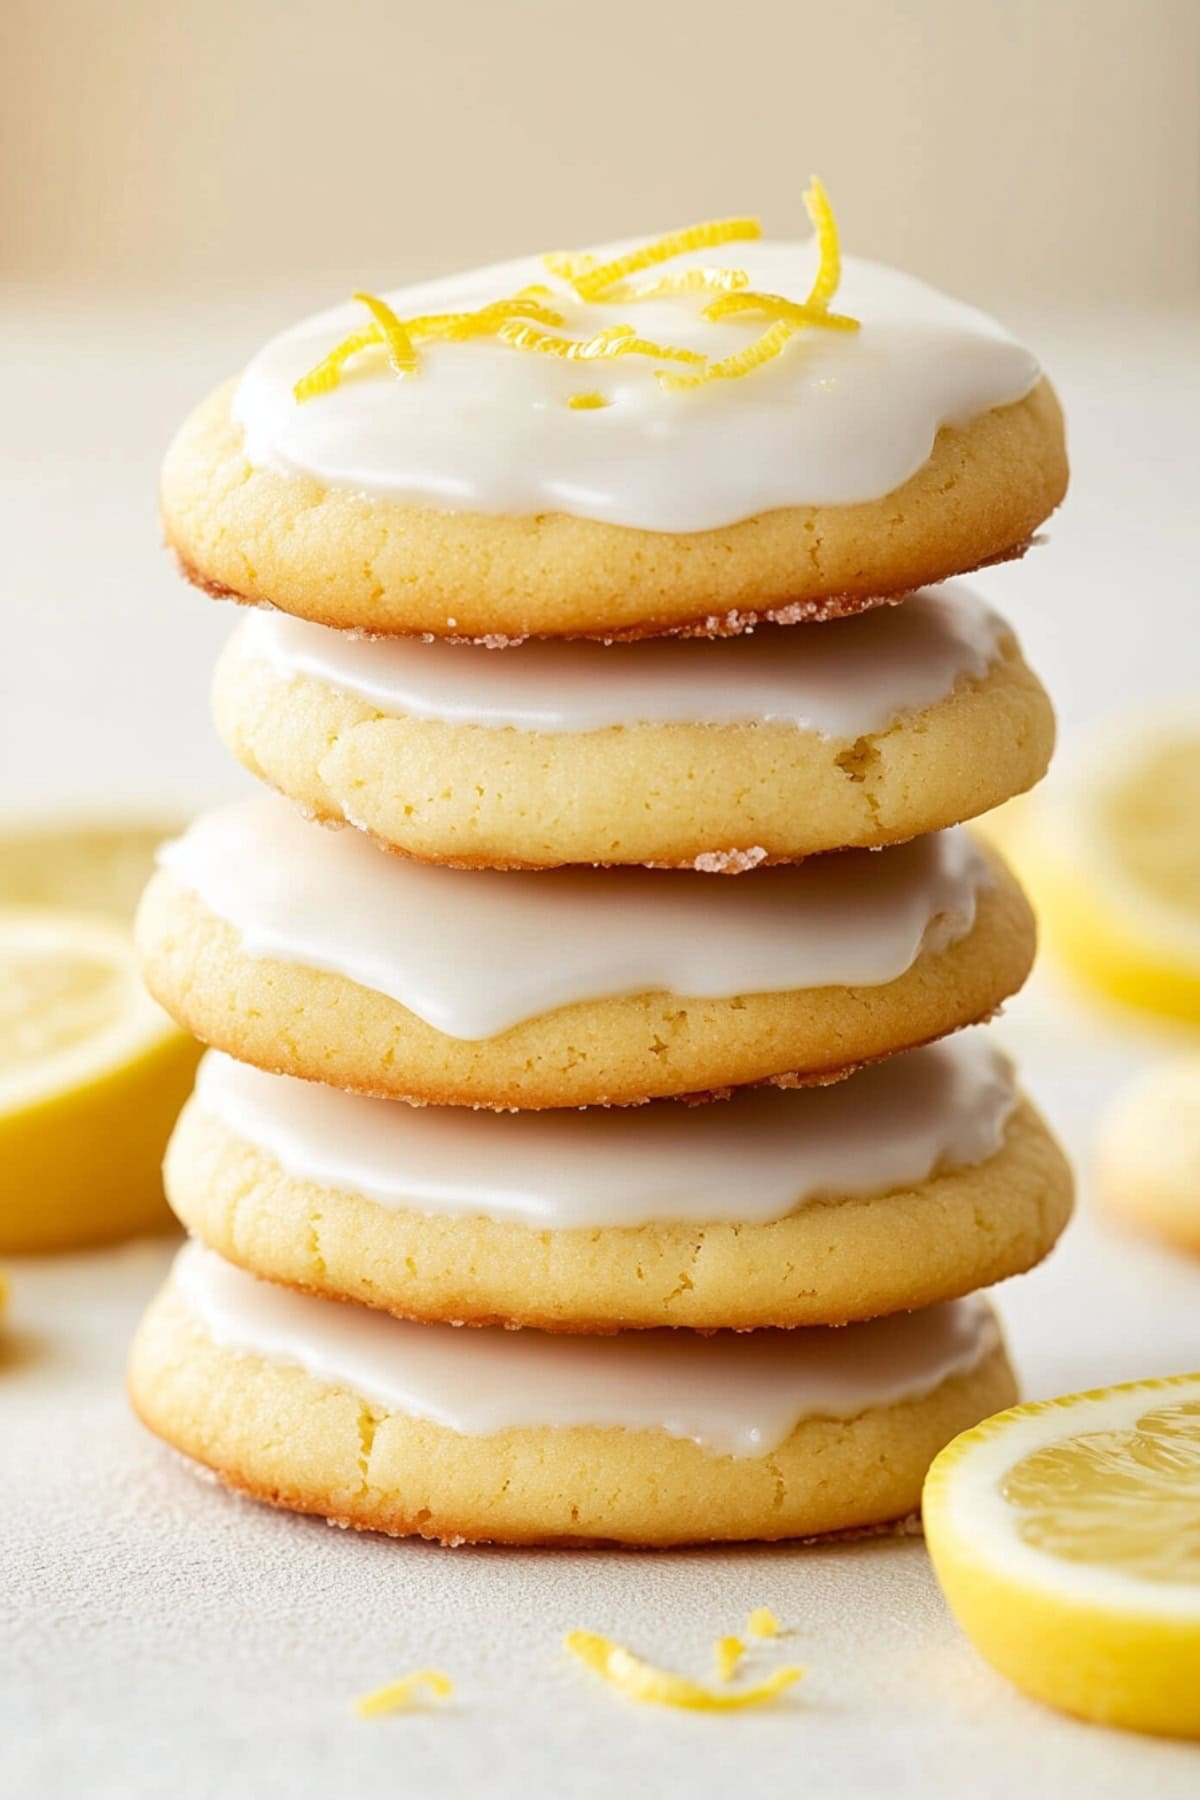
[642,1682]
[776,306]
[328,372]
[588,402]
[396,1695]
[400,348]
[829,268]
[692,281]
[614,340]
[591,284]
[762,1623]
[727,1654]
[482,323]
[743,362]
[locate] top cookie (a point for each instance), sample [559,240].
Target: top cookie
[680,437]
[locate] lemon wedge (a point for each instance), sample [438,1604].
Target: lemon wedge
[1066,1537]
[1111,855]
[92,1074]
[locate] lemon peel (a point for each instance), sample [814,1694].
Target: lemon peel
[401,350]
[764,349]
[727,1654]
[692,281]
[328,372]
[829,267]
[614,340]
[777,306]
[593,282]
[762,1623]
[642,1682]
[394,1696]
[588,402]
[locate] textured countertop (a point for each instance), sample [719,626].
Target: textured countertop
[160,1636]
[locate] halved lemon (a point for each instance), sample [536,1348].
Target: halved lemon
[1066,1537]
[1111,853]
[1148,1153]
[92,1074]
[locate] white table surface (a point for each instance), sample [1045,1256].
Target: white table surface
[162,1637]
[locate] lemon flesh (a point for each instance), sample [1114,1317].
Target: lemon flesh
[1112,860]
[1066,1537]
[92,1074]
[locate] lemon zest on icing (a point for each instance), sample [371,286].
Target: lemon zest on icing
[614,340]
[762,1623]
[515,320]
[642,1682]
[396,1695]
[829,268]
[591,284]
[727,1654]
[400,348]
[764,349]
[692,281]
[588,402]
[776,306]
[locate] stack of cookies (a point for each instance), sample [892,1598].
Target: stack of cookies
[613,1011]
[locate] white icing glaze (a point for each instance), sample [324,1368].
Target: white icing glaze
[474,953]
[838,418]
[851,677]
[732,1394]
[757,1157]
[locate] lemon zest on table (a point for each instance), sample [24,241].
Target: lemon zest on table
[727,1654]
[762,1623]
[395,1696]
[642,1682]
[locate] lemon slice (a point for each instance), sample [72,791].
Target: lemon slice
[1112,858]
[1066,1537]
[92,1074]
[1148,1153]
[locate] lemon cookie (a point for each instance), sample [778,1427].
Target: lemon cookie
[313,953]
[914,1181]
[762,748]
[544,447]
[515,1437]
[1148,1155]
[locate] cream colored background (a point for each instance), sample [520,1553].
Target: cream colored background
[997,146]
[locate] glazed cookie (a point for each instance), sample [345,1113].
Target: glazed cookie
[915,1181]
[514,1437]
[521,451]
[763,748]
[312,953]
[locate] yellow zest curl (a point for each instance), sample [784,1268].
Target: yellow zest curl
[775,306]
[743,362]
[642,1682]
[588,402]
[614,340]
[692,281]
[762,1623]
[483,323]
[398,1694]
[401,352]
[829,269]
[328,372]
[591,284]
[727,1654]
